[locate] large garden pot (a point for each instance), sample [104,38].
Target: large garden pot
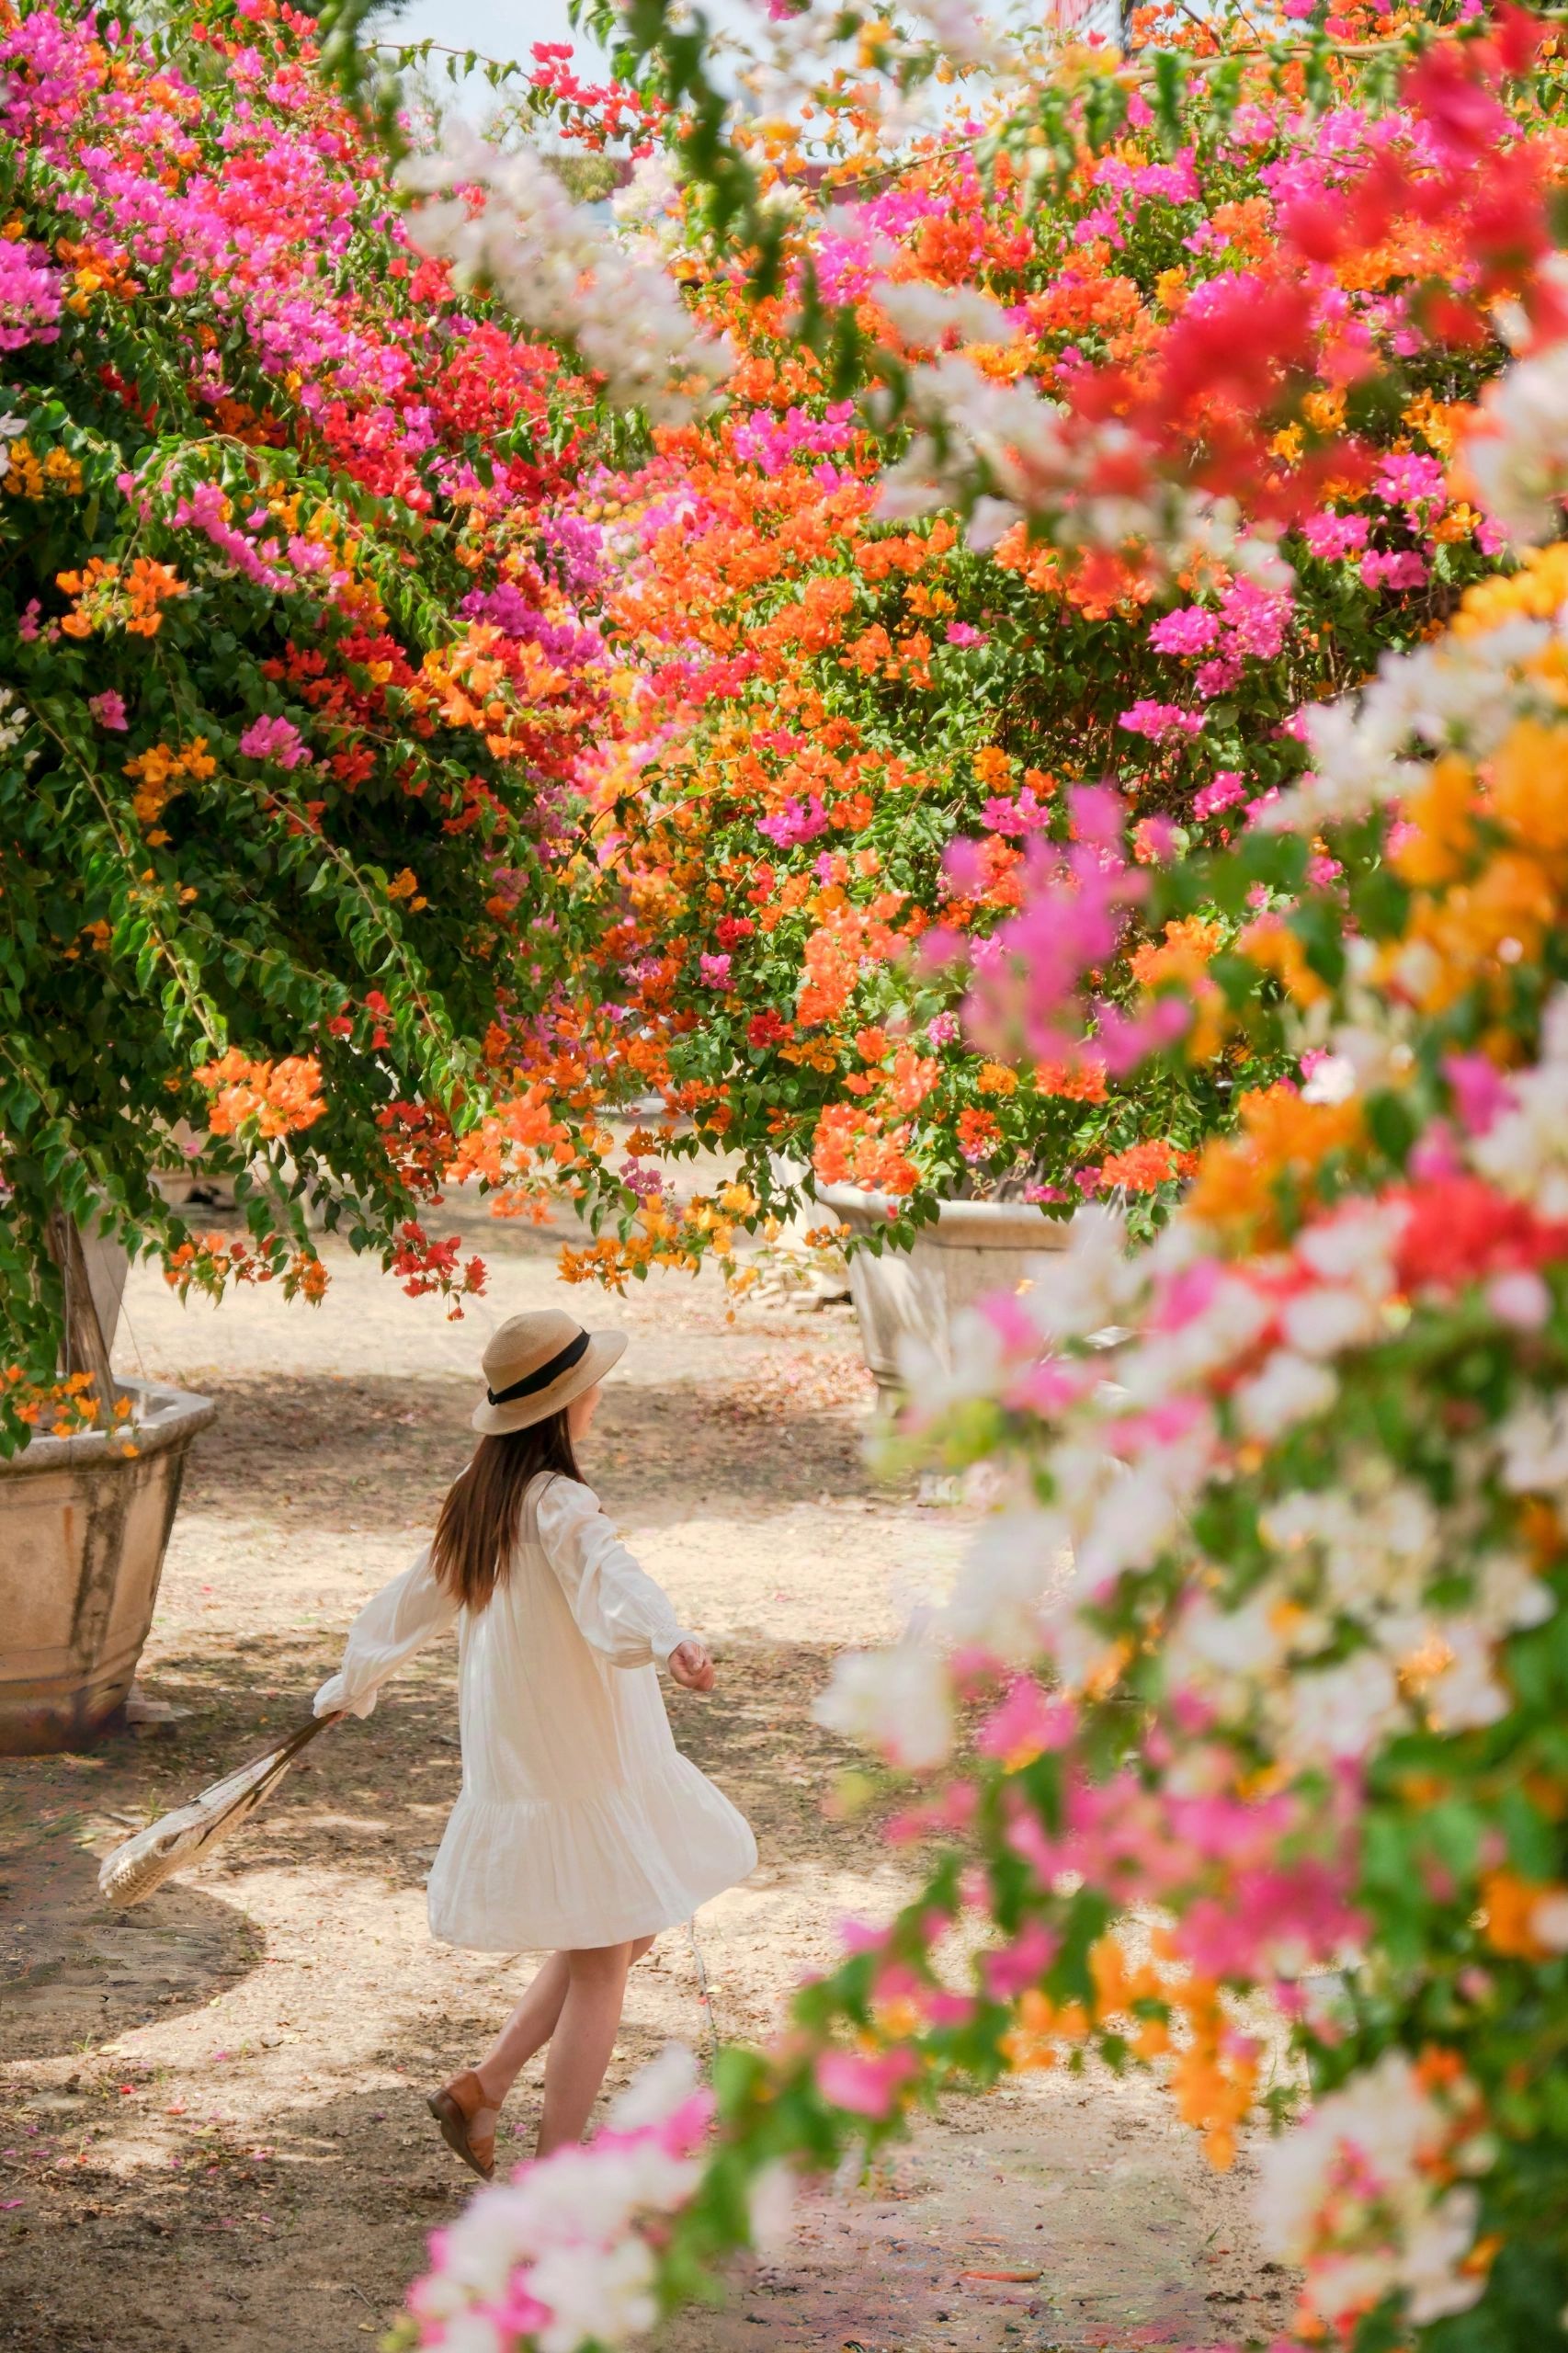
[82,1530]
[975,1248]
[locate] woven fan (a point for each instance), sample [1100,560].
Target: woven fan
[178,1840]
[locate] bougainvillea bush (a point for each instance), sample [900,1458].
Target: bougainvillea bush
[293,675]
[1255,1683]
[1267,1641]
[858,725]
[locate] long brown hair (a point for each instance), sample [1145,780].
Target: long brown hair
[478,1526]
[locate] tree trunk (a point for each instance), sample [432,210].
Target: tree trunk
[86,1347]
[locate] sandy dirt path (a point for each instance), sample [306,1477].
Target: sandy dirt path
[212,2135]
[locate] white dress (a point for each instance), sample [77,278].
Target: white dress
[580,1822]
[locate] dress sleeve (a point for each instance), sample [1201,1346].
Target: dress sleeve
[392,1625]
[617,1608]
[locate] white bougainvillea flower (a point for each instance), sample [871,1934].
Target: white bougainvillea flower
[550,261]
[1517,452]
[1356,2191]
[898,1701]
[1289,1389]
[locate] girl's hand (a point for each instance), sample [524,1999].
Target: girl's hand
[691,1666]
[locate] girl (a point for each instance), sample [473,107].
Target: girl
[581,1829]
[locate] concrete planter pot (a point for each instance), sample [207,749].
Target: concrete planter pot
[975,1248]
[83,1532]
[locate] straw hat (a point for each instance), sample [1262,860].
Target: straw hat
[535,1364]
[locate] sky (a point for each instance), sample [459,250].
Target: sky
[497,28]
[509,29]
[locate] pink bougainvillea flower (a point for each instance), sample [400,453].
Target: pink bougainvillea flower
[278,740]
[865,2083]
[1160,720]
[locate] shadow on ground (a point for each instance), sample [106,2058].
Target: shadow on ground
[370,1799]
[73,1974]
[366,1455]
[189,2217]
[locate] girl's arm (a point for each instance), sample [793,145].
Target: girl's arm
[618,1606]
[392,1625]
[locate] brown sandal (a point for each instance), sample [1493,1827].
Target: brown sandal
[453,2108]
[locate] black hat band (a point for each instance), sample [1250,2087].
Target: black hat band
[532,1382]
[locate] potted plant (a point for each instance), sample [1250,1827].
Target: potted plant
[86,1507]
[913,1290]
[278,751]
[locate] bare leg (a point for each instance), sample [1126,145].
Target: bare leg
[590,2017]
[528,2029]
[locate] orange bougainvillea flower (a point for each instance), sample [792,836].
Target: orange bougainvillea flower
[977,1133]
[852,1147]
[278,1098]
[104,596]
[1283,1139]
[834,956]
[94,590]
[1181,955]
[513,1141]
[1274,948]
[1080,1082]
[911,1080]
[1515,1912]
[1143,1166]
[148,588]
[161,771]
